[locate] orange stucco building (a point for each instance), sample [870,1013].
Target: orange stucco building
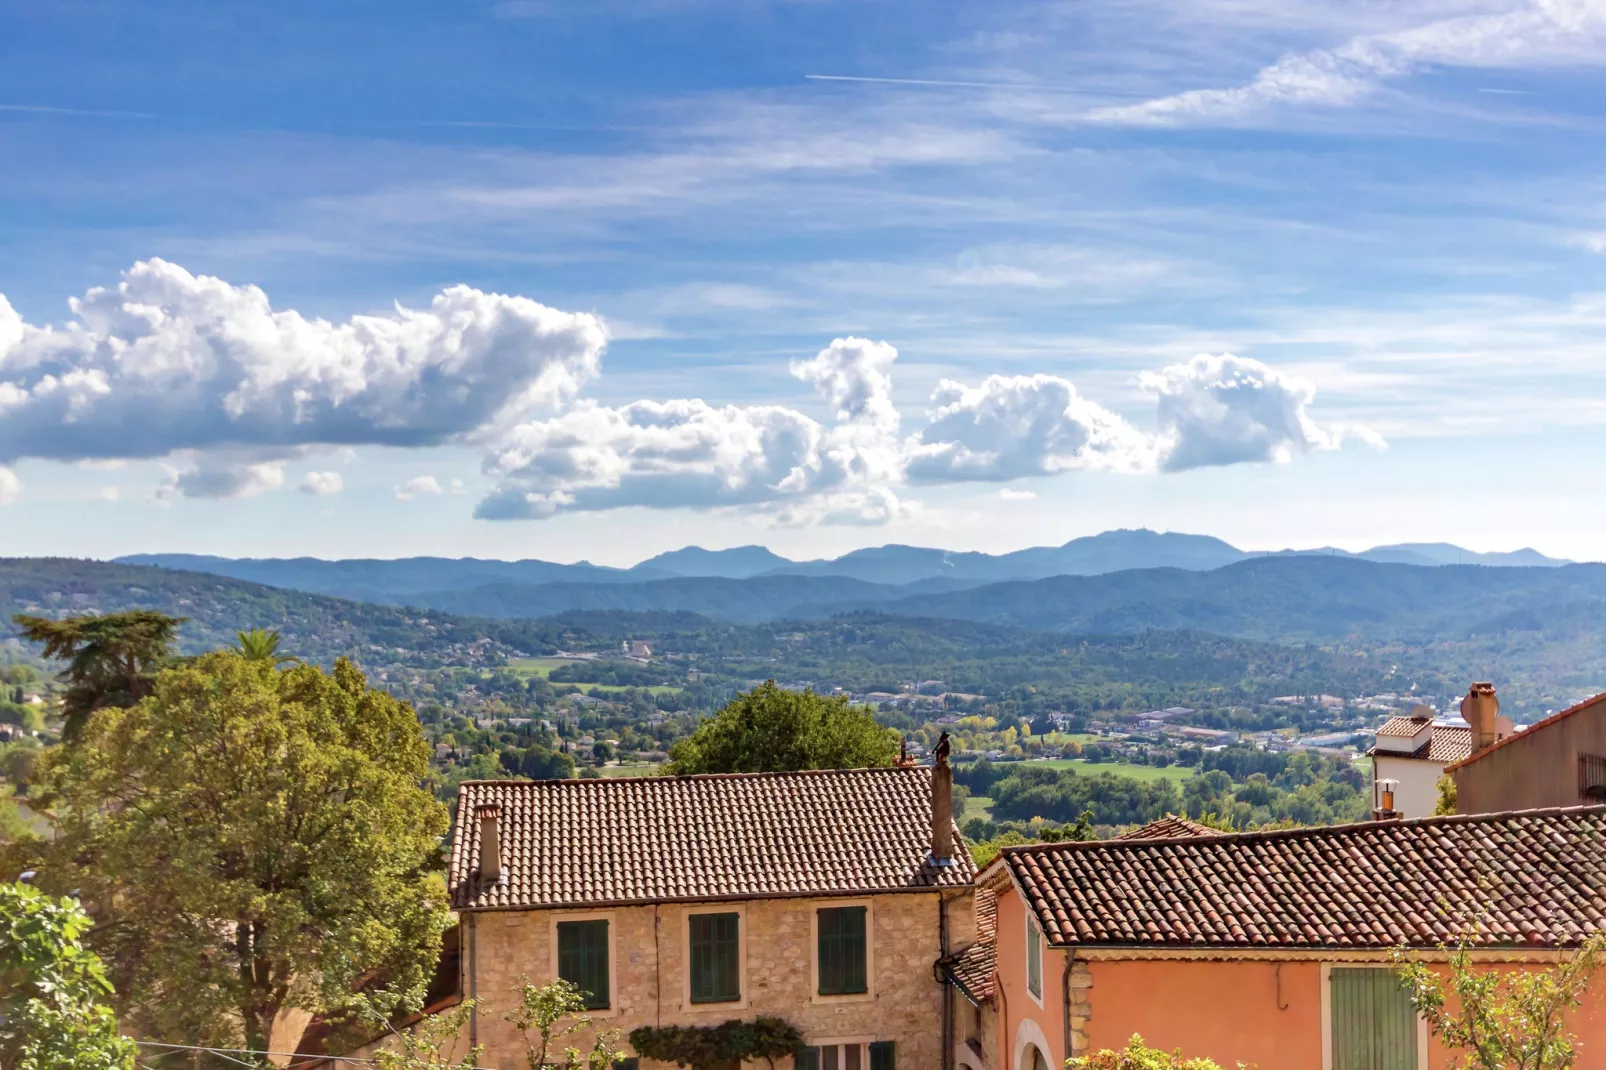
[1272,949]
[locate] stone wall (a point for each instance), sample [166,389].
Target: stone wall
[649,981]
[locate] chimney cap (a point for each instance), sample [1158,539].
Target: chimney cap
[488,810]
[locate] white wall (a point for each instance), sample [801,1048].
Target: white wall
[1418,793]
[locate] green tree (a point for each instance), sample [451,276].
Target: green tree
[549,1013]
[1138,1056]
[112,660]
[770,729]
[1514,1019]
[417,1041]
[52,989]
[1446,801]
[250,841]
[261,644]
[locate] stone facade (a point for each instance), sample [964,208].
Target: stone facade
[648,955]
[1081,1009]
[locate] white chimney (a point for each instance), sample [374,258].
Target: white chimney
[490,819]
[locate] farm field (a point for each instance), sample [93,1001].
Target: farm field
[1177,773]
[629,770]
[543,667]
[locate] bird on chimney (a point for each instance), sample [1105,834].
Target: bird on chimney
[944,745]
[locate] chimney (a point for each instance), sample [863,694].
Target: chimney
[1481,710]
[490,819]
[1383,808]
[942,806]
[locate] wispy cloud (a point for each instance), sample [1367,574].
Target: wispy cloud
[88,113]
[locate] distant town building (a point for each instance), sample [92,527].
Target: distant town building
[1413,751]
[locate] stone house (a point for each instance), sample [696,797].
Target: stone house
[1270,948]
[824,898]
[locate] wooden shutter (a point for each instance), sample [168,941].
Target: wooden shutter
[842,951]
[583,959]
[1374,1027]
[1034,958]
[715,958]
[883,1055]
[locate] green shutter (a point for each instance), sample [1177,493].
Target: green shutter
[1374,1027]
[583,959]
[807,1059]
[842,951]
[883,1055]
[715,958]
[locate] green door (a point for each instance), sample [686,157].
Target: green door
[1374,1027]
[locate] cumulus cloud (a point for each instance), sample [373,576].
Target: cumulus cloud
[1531,33]
[1221,410]
[1021,425]
[217,478]
[167,361]
[320,483]
[417,485]
[686,452]
[10,486]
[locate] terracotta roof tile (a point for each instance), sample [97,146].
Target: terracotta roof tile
[1447,743]
[1168,827]
[726,836]
[973,967]
[1523,879]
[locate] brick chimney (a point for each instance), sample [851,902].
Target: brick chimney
[942,806]
[489,816]
[1481,710]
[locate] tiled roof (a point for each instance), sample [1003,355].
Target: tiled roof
[1587,704]
[725,836]
[1523,879]
[973,967]
[1168,827]
[1447,743]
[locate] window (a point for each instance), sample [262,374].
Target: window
[1034,959]
[842,954]
[876,1055]
[1374,1027]
[1591,778]
[715,958]
[583,959]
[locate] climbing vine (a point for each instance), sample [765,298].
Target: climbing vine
[702,1047]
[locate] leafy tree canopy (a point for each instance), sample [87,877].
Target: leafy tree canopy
[112,660]
[52,988]
[250,840]
[770,730]
[1139,1056]
[261,644]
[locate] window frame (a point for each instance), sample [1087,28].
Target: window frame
[869,993]
[609,916]
[1327,1012]
[742,999]
[815,1044]
[1034,950]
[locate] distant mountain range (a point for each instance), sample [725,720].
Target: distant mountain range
[430,581]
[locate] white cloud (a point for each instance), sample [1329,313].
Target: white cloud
[1540,32]
[216,478]
[1021,425]
[1010,494]
[320,483]
[10,486]
[417,485]
[1221,410]
[109,493]
[168,361]
[688,453]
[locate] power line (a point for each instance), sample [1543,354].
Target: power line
[226,1053]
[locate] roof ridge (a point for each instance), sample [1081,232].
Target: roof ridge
[1255,835]
[678,777]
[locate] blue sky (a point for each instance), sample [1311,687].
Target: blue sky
[627,276]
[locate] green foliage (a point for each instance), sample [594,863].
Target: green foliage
[1138,1056]
[52,989]
[546,1015]
[1063,795]
[1511,1019]
[112,660]
[1446,803]
[984,851]
[252,840]
[707,1047]
[262,644]
[415,1041]
[26,717]
[770,729]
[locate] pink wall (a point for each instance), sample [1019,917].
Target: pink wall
[1016,1002]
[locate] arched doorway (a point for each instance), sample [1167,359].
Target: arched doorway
[1035,1059]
